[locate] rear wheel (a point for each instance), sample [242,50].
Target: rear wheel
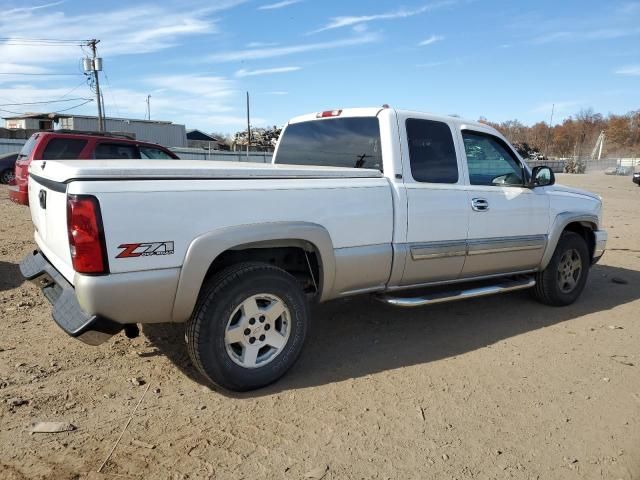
[562,282]
[7,176]
[248,327]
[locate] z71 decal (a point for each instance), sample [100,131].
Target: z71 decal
[131,250]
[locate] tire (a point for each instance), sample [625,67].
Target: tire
[554,285]
[233,298]
[6,176]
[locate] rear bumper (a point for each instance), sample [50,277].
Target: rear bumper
[600,244]
[67,313]
[17,196]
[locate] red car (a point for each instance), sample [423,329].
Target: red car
[61,145]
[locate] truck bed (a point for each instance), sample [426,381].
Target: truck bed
[68,170]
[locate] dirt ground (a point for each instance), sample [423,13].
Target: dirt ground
[500,387]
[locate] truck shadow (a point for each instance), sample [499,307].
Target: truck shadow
[359,336]
[10,276]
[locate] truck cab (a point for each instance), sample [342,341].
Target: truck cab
[471,207]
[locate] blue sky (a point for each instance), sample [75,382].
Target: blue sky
[499,59]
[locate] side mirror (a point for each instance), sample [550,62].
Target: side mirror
[542,177]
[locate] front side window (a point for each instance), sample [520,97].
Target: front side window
[336,142]
[431,151]
[490,160]
[154,153]
[115,151]
[63,149]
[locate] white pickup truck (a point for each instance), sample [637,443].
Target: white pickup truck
[411,207]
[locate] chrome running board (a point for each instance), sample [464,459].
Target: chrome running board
[505,285]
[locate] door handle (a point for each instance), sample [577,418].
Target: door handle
[480,204]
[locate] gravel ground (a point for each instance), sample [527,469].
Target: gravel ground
[500,387]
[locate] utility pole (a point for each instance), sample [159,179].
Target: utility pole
[248,128]
[148,107]
[96,66]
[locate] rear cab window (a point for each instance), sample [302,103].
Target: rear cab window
[63,149]
[351,142]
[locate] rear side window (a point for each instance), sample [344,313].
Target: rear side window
[431,151]
[337,142]
[63,149]
[111,151]
[154,153]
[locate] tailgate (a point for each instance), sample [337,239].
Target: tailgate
[48,205]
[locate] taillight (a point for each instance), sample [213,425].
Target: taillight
[329,113]
[86,235]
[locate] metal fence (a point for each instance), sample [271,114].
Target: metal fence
[628,164]
[223,156]
[8,145]
[617,166]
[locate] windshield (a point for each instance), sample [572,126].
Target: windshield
[27,148]
[337,142]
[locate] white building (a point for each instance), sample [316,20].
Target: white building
[165,133]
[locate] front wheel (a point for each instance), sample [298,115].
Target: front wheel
[248,327]
[562,282]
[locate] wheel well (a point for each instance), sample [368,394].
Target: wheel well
[299,258]
[585,230]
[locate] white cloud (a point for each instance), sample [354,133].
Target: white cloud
[274,6]
[277,92]
[587,34]
[348,21]
[19,10]
[265,71]
[633,70]
[432,39]
[20,68]
[271,52]
[141,28]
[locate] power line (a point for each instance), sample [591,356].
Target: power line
[75,106]
[36,44]
[27,39]
[40,41]
[84,80]
[57,111]
[39,74]
[39,103]
[113,97]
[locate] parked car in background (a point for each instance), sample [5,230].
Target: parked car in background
[7,166]
[636,178]
[74,145]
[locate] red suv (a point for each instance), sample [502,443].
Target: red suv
[61,145]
